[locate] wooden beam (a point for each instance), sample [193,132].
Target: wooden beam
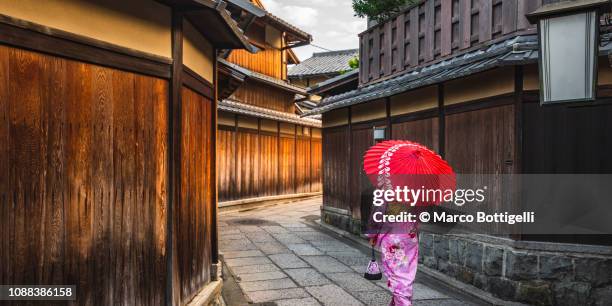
[295,140]
[174,146]
[258,179]
[278,158]
[349,161]
[389,132]
[213,176]
[518,139]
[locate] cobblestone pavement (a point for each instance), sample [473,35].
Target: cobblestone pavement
[276,257]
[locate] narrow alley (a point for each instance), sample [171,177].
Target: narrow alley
[278,255]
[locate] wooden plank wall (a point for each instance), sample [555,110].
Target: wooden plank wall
[335,167]
[423,131]
[259,163]
[362,140]
[193,214]
[268,61]
[83,178]
[265,96]
[434,29]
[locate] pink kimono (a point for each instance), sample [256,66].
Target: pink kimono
[400,254]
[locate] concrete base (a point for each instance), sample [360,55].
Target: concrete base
[243,204]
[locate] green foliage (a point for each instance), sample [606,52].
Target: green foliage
[354,63]
[378,10]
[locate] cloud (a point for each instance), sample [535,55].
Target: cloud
[331,22]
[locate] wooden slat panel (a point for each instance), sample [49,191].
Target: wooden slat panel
[509,16]
[429,31]
[316,165]
[485,23]
[361,140]
[265,96]
[414,36]
[446,27]
[423,131]
[387,64]
[269,165]
[465,18]
[5,187]
[376,64]
[400,42]
[303,165]
[286,165]
[80,211]
[267,61]
[481,143]
[193,212]
[226,177]
[247,168]
[335,150]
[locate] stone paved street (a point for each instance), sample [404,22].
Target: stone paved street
[275,256]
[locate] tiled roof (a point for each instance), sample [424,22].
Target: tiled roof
[262,77]
[351,75]
[519,50]
[324,63]
[260,112]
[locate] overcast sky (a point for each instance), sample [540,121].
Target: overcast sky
[330,22]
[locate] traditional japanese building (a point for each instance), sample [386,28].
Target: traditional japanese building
[321,66]
[107,148]
[462,78]
[265,150]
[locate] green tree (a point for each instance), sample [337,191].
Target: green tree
[378,10]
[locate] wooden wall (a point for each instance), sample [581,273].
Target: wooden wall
[265,96]
[268,61]
[434,29]
[193,214]
[476,137]
[335,167]
[84,182]
[255,161]
[83,178]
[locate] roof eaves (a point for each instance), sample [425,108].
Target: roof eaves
[263,78]
[518,49]
[260,112]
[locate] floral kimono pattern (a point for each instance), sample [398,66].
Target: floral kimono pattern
[400,253]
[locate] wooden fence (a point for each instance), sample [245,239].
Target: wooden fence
[258,157]
[84,182]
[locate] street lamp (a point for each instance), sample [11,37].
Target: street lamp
[568,34]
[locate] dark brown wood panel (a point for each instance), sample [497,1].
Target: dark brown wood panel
[480,143]
[361,140]
[424,131]
[335,170]
[83,185]
[432,30]
[561,139]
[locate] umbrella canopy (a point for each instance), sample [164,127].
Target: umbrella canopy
[397,163]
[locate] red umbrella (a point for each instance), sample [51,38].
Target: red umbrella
[394,163]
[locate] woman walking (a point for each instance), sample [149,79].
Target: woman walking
[405,164]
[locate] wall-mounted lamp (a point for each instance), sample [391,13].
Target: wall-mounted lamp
[568,34]
[379,133]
